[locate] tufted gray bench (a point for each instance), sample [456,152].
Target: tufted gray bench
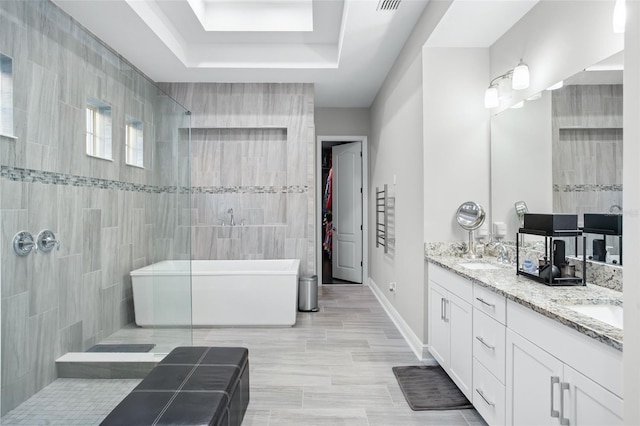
[190,386]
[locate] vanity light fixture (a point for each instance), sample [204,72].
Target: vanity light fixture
[556,86]
[519,80]
[535,97]
[619,16]
[491,97]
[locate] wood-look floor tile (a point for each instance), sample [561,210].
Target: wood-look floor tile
[339,345]
[362,375]
[347,396]
[332,368]
[407,417]
[319,417]
[254,417]
[271,397]
[296,375]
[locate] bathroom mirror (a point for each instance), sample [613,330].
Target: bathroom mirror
[470,216]
[562,152]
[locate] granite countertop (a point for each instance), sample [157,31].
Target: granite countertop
[550,301]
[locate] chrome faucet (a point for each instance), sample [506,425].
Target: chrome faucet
[503,253]
[232,222]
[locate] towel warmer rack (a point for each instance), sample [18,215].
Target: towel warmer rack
[381,218]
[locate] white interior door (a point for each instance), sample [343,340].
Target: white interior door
[347,212]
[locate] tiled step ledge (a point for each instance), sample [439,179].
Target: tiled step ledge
[106,365]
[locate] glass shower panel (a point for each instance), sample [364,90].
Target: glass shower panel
[171,237]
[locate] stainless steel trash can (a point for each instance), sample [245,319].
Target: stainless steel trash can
[308,294]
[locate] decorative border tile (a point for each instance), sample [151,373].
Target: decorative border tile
[292,189]
[588,187]
[49,178]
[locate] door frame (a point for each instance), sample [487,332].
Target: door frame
[365,201]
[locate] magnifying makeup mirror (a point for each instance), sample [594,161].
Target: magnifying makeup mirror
[470,216]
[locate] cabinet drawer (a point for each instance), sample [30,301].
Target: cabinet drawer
[488,395]
[455,284]
[492,304]
[489,338]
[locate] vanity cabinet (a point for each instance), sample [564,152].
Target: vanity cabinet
[519,367]
[543,385]
[451,325]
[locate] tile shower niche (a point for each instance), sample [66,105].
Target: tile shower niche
[243,170]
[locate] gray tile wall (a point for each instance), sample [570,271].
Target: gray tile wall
[103,212]
[587,148]
[253,151]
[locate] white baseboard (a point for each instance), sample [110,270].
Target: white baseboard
[419,349]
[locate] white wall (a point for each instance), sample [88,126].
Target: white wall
[631,197]
[396,149]
[342,121]
[521,167]
[556,39]
[456,137]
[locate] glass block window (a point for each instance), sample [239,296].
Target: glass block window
[6,95]
[134,144]
[98,125]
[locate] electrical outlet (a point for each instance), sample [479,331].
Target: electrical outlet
[392,286]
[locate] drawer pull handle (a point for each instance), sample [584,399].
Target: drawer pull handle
[554,380]
[481,340]
[492,404]
[484,302]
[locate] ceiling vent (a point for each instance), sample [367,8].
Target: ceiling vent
[388,5]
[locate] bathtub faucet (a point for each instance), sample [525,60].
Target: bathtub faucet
[232,222]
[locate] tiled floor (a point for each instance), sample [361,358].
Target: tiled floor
[332,368]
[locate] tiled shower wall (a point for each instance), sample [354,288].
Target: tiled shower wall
[252,151]
[101,211]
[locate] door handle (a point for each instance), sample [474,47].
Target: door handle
[442,308]
[563,420]
[554,380]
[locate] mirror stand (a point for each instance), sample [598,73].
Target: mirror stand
[471,250]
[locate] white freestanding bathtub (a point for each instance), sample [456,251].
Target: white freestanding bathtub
[219,293]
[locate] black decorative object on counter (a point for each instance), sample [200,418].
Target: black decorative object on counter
[604,224]
[552,226]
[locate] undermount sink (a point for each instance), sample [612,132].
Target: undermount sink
[478,266]
[606,312]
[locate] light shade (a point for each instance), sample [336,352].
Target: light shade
[520,78]
[556,86]
[535,97]
[619,16]
[491,97]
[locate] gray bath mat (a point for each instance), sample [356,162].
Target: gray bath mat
[427,387]
[124,347]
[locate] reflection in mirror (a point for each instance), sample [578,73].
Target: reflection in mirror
[562,153]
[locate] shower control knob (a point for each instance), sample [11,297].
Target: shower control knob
[47,241]
[23,243]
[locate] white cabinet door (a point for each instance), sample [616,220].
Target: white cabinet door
[438,328]
[458,314]
[533,383]
[588,404]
